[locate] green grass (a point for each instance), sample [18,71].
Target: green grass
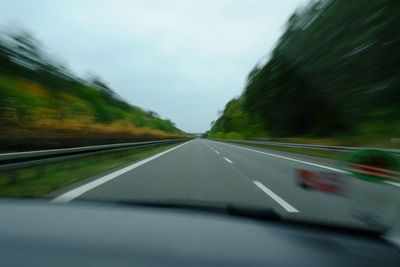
[40,180]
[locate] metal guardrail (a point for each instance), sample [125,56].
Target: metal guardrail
[307,146]
[23,159]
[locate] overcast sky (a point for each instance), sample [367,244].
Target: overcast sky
[182,59]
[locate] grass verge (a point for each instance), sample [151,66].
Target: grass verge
[38,181]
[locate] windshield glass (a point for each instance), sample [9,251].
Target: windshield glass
[291,106]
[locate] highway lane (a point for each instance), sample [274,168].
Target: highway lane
[362,200]
[191,172]
[212,171]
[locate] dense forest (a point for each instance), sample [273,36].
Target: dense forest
[42,104]
[335,71]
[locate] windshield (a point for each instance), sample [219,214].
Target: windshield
[291,106]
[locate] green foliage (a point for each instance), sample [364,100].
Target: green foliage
[30,81]
[40,180]
[236,123]
[334,71]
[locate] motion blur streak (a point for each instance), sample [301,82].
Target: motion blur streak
[43,105]
[333,76]
[332,79]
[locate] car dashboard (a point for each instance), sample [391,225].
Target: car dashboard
[38,233]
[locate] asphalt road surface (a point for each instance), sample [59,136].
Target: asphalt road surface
[205,170]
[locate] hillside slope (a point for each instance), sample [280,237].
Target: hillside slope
[43,105]
[334,73]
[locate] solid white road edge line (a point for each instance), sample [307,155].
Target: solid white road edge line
[278,199]
[76,192]
[392,183]
[228,160]
[302,161]
[287,158]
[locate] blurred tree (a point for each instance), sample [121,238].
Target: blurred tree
[335,70]
[34,85]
